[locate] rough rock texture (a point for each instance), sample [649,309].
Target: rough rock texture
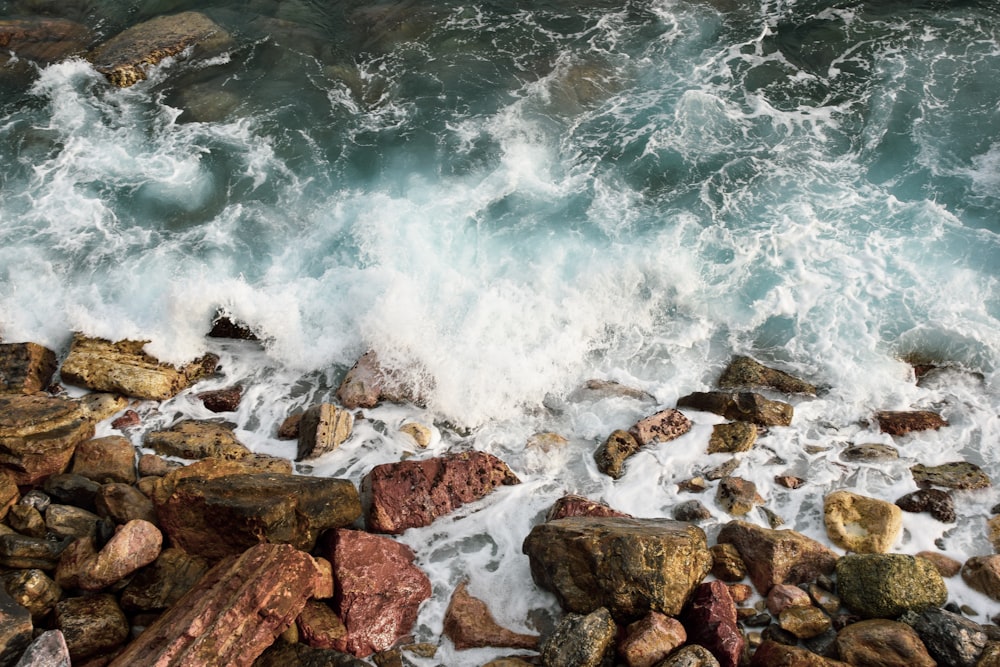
[27,520]
[630,566]
[92,625]
[468,623]
[886,585]
[883,643]
[70,489]
[69,521]
[580,640]
[740,406]
[135,545]
[574,505]
[777,556]
[954,475]
[746,372]
[222,400]
[15,629]
[861,524]
[611,456]
[32,589]
[9,493]
[804,622]
[664,426]
[283,654]
[421,435]
[164,581]
[323,428]
[38,435]
[983,574]
[108,459]
[903,422]
[732,437]
[233,614]
[691,510]
[194,439]
[43,40]
[691,655]
[123,368]
[368,382]
[378,590]
[950,639]
[938,503]
[319,626]
[727,564]
[870,452]
[225,515]
[123,503]
[410,494]
[737,496]
[47,650]
[710,620]
[20,551]
[947,566]
[25,368]
[772,654]
[651,639]
[783,596]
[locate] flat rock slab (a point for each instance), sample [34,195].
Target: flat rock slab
[954,475]
[740,406]
[25,368]
[197,439]
[38,435]
[44,40]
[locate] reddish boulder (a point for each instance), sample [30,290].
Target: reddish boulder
[25,368]
[710,620]
[128,419]
[468,623]
[777,556]
[410,494]
[135,545]
[651,639]
[574,505]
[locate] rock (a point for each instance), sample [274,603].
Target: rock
[954,475]
[881,642]
[990,657]
[36,498]
[15,629]
[611,455]
[203,469]
[323,428]
[124,368]
[664,426]
[379,590]
[783,596]
[368,382]
[129,419]
[47,650]
[74,558]
[777,556]
[691,510]
[70,489]
[194,439]
[693,485]
[722,470]
[804,622]
[162,583]
[651,639]
[823,598]
[950,639]
[580,640]
[38,435]
[869,453]
[886,585]
[22,552]
[772,654]
[982,573]
[948,567]
[33,590]
[27,520]
[289,428]
[861,524]
[92,625]
[411,493]
[222,400]
[319,625]
[789,481]
[252,597]
[97,406]
[283,654]
[599,390]
[122,503]
[993,532]
[732,437]
[421,435]
[108,459]
[737,496]
[903,422]
[468,623]
[225,327]
[727,565]
[710,620]
[9,493]
[573,505]
[691,655]
[135,545]
[741,406]
[746,372]
[630,566]
[156,466]
[25,368]
[938,503]
[42,39]
[226,515]
[69,521]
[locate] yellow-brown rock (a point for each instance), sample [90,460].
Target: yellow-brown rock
[38,435]
[861,524]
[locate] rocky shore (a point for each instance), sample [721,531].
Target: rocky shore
[186,548]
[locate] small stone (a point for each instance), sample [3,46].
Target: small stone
[611,456]
[691,655]
[289,428]
[74,559]
[162,583]
[468,623]
[9,493]
[47,650]
[783,596]
[651,639]
[37,499]
[222,400]
[869,453]
[727,564]
[886,585]
[950,639]
[741,593]
[691,510]
[938,503]
[861,524]
[109,459]
[732,437]
[580,641]
[420,434]
[15,629]
[574,505]
[993,532]
[546,442]
[737,496]
[129,419]
[804,622]
[693,485]
[664,426]
[153,465]
[774,654]
[722,470]
[789,481]
[903,422]
[70,489]
[92,625]
[948,567]
[955,475]
[823,598]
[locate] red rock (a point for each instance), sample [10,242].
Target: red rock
[783,596]
[789,481]
[222,400]
[135,545]
[25,368]
[468,623]
[409,494]
[128,419]
[661,427]
[573,505]
[108,459]
[777,556]
[651,639]
[319,626]
[710,620]
[378,590]
[235,612]
[903,422]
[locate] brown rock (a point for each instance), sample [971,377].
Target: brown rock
[284,654]
[882,643]
[289,429]
[805,622]
[546,441]
[33,590]
[468,623]
[162,583]
[727,565]
[129,419]
[783,596]
[664,426]
[746,372]
[222,400]
[69,521]
[861,524]
[15,629]
[947,567]
[25,368]
[938,503]
[740,592]
[869,453]
[410,494]
[9,493]
[737,496]
[23,552]
[772,654]
[993,532]
[123,368]
[122,503]
[710,620]
[651,639]
[903,422]
[983,574]
[319,625]
[156,466]
[598,390]
[74,559]
[233,614]
[378,590]
[92,625]
[741,406]
[204,469]
[108,459]
[421,435]
[38,435]
[691,510]
[193,439]
[732,437]
[27,520]
[887,585]
[611,456]
[573,505]
[777,556]
[323,428]
[135,545]
[44,40]
[789,481]
[368,382]
[580,640]
[954,475]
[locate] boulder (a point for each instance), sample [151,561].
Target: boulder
[319,626]
[950,639]
[737,496]
[25,368]
[777,556]
[939,504]
[468,623]
[71,489]
[92,625]
[745,372]
[195,439]
[871,452]
[903,422]
[32,589]
[108,459]
[38,435]
[664,426]
[574,505]
[222,400]
[124,368]
[163,582]
[772,654]
[47,650]
[710,621]
[882,642]
[122,503]
[651,639]
[378,590]
[740,406]
[611,456]
[234,612]
[861,524]
[886,585]
[630,566]
[225,515]
[15,629]
[411,493]
[580,640]
[323,428]
[982,573]
[954,475]
[135,545]
[42,39]
[691,655]
[732,437]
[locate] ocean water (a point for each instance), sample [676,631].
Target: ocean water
[505,200]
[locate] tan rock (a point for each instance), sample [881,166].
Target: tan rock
[727,564]
[32,589]
[108,459]
[98,406]
[772,654]
[468,623]
[804,622]
[420,434]
[9,493]
[547,442]
[319,626]
[993,532]
[612,454]
[746,372]
[983,574]
[783,596]
[38,435]
[861,524]
[737,496]
[25,368]
[27,520]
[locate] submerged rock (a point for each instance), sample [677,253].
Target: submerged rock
[25,368]
[886,585]
[938,503]
[777,556]
[740,406]
[42,39]
[746,372]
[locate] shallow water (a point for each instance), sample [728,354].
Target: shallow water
[511,199]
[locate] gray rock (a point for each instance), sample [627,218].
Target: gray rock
[15,629]
[48,650]
[580,641]
[950,639]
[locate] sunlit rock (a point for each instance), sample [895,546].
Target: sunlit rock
[38,435]
[732,437]
[861,524]
[196,439]
[882,641]
[903,422]
[323,428]
[886,585]
[777,556]
[468,623]
[651,639]
[740,406]
[954,475]
[580,640]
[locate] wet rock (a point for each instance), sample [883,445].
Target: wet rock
[468,623]
[135,545]
[224,326]
[651,639]
[38,435]
[789,481]
[737,496]
[69,521]
[727,564]
[732,437]
[421,435]
[9,493]
[162,583]
[783,596]
[368,382]
[982,573]
[691,510]
[15,629]
[108,459]
[580,640]
[691,655]
[746,372]
[861,524]
[886,585]
[323,428]
[664,426]
[47,650]
[98,406]
[378,590]
[869,453]
[611,455]
[823,598]
[33,590]
[954,475]
[573,505]
[710,621]
[694,485]
[23,552]
[948,567]
[225,515]
[993,532]
[723,470]
[630,566]
[804,622]
[283,654]
[222,400]
[253,596]
[319,626]
[950,639]
[289,428]
[204,469]
[129,419]
[27,520]
[122,503]
[156,466]
[903,422]
[882,642]
[777,556]
[740,406]
[92,625]
[195,439]
[598,390]
[410,494]
[772,654]
[938,503]
[124,368]
[71,489]
[25,368]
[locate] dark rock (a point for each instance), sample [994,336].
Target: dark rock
[869,453]
[886,585]
[746,372]
[69,521]
[74,559]
[222,400]
[9,493]
[108,459]
[289,429]
[982,573]
[319,626]
[732,437]
[70,489]
[950,639]
[194,439]
[162,583]
[322,429]
[580,640]
[224,327]
[710,620]
[47,650]
[38,435]
[954,475]
[22,552]
[882,642]
[776,633]
[25,368]
[27,520]
[630,566]
[573,505]
[92,625]
[777,556]
[773,654]
[691,510]
[903,422]
[648,641]
[282,654]
[15,629]
[722,470]
[33,590]
[938,503]
[122,503]
[727,565]
[664,426]
[411,493]
[737,496]
[128,419]
[611,455]
[468,623]
[740,406]
[691,655]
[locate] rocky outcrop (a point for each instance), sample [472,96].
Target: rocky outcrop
[322,429]
[38,435]
[861,524]
[468,623]
[744,372]
[740,406]
[630,566]
[580,640]
[777,556]
[886,585]
[25,368]
[903,422]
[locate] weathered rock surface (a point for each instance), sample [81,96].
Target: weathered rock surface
[691,510]
[651,639]
[162,583]
[38,435]
[368,382]
[71,489]
[630,566]
[982,573]
[195,439]
[323,428]
[869,453]
[108,459]
[611,456]
[950,639]
[783,596]
[580,640]
[9,493]
[92,625]
[468,623]
[69,521]
[124,368]
[23,552]
[861,524]
[886,585]
[772,654]
[33,590]
[740,406]
[226,515]
[727,564]
[410,494]
[15,629]
[737,496]
[25,368]
[884,643]
[954,475]
[804,622]
[691,655]
[319,626]
[710,620]
[746,372]
[777,556]
[123,503]
[907,421]
[222,400]
[135,545]
[421,435]
[47,650]
[939,504]
[27,520]
[664,426]
[378,590]
[732,437]
[574,505]
[283,654]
